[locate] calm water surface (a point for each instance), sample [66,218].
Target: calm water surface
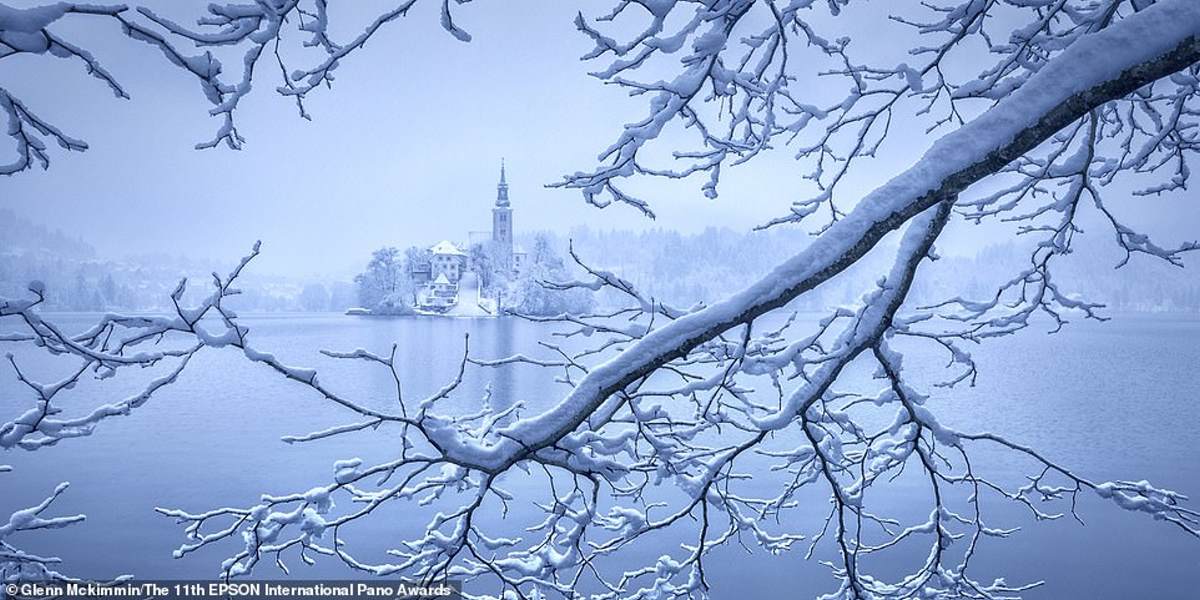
[1114,400]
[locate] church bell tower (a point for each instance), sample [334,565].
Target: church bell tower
[502,225]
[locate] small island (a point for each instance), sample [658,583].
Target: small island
[487,276]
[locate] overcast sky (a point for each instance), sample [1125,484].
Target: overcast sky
[404,150]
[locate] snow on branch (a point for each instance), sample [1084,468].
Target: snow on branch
[17,564]
[258,31]
[753,76]
[27,31]
[112,345]
[1053,99]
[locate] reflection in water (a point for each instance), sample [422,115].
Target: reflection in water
[502,378]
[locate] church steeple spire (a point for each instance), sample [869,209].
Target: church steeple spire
[502,225]
[502,188]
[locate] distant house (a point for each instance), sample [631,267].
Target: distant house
[439,295]
[449,260]
[421,272]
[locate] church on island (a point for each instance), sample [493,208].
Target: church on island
[448,283]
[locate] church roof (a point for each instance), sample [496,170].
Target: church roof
[447,247]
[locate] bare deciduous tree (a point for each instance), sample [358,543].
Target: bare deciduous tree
[674,411]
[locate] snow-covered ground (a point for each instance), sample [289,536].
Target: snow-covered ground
[469,302]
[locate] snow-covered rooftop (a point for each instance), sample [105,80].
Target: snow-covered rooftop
[441,279]
[447,247]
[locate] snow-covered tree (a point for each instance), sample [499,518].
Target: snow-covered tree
[417,258]
[480,262]
[537,291]
[314,297]
[672,411]
[385,284]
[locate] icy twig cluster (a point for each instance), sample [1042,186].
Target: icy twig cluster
[257,31]
[751,76]
[107,349]
[19,565]
[26,31]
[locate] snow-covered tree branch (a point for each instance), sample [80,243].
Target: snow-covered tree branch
[705,425]
[255,31]
[19,565]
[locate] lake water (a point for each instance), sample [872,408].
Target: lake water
[1116,400]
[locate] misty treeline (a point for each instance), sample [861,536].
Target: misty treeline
[77,279]
[673,267]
